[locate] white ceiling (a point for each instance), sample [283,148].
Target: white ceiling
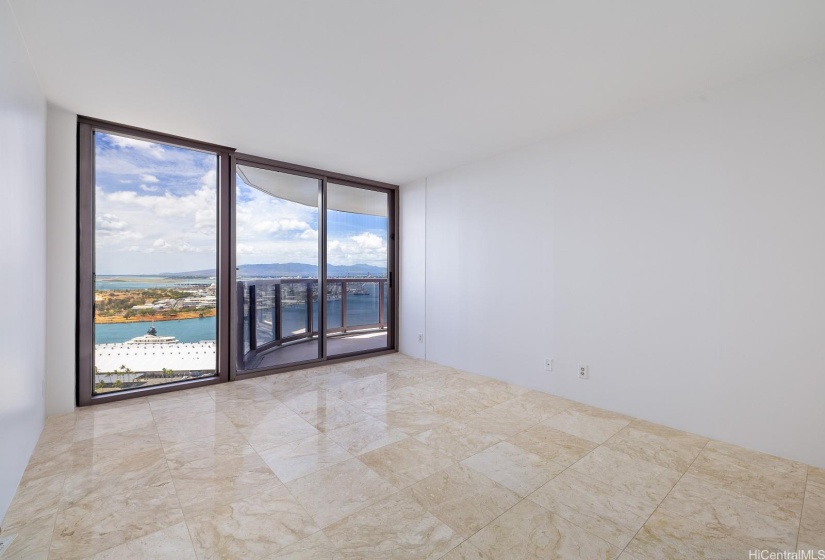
[394,90]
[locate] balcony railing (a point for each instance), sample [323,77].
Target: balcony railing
[285,310]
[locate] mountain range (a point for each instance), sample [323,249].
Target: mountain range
[276,270]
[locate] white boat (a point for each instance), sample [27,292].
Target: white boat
[152,337]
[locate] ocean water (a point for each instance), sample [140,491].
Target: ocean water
[146,282]
[361,310]
[185,330]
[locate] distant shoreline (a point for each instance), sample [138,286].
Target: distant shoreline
[180,315]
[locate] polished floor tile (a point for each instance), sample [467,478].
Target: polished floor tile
[365,436]
[331,494]
[103,519]
[35,500]
[535,405]
[671,536]
[394,457]
[463,498]
[111,421]
[513,467]
[305,456]
[324,411]
[816,476]
[465,551]
[553,444]
[498,422]
[457,440]
[33,540]
[406,462]
[167,544]
[604,510]
[253,528]
[528,531]
[396,527]
[315,547]
[727,513]
[274,431]
[195,428]
[669,448]
[776,482]
[204,485]
[646,480]
[586,424]
[812,526]
[414,419]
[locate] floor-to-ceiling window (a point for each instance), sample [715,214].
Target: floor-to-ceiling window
[313,267]
[197,265]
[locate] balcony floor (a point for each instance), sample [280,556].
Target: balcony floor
[304,351]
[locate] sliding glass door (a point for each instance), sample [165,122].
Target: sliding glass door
[313,265]
[358,266]
[277,259]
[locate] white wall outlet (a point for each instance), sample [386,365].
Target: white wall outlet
[548,364]
[420,337]
[584,372]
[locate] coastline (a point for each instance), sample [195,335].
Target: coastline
[157,317]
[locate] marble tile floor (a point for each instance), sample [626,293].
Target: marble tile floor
[392,457]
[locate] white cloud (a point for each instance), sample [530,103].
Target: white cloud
[109,228]
[210,179]
[363,248]
[199,204]
[368,240]
[109,222]
[169,204]
[168,224]
[274,226]
[150,148]
[172,230]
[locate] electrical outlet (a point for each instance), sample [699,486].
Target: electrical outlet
[584,372]
[548,364]
[420,337]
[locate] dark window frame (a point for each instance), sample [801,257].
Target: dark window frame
[325,177]
[225,265]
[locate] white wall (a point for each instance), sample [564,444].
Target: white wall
[22,256]
[61,296]
[678,252]
[412,286]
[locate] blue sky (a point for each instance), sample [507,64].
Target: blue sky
[156,212]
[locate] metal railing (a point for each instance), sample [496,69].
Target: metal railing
[261,325]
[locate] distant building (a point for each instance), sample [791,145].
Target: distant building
[152,353]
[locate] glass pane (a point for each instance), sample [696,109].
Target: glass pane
[155,261]
[357,265]
[277,267]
